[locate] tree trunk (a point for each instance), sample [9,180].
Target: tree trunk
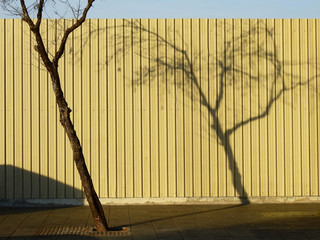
[91,195]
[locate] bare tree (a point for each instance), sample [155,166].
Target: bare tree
[26,10]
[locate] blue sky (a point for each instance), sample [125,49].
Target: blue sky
[200,9]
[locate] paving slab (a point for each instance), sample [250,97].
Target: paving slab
[254,221]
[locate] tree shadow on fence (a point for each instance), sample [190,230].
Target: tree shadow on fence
[231,71]
[254,46]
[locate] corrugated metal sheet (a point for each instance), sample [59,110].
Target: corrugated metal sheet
[164,108]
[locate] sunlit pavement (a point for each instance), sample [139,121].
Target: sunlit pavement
[253,221]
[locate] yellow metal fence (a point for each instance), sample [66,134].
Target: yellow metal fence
[164,108]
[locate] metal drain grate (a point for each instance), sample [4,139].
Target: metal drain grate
[80,230]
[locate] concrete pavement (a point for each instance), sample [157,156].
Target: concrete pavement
[254,221]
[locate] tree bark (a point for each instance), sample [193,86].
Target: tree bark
[65,120]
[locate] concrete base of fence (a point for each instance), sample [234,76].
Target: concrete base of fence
[164,201]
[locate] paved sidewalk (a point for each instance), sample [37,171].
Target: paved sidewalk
[255,221]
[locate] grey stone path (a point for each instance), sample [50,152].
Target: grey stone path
[255,221]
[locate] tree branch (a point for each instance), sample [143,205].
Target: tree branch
[40,48]
[39,14]
[77,24]
[25,15]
